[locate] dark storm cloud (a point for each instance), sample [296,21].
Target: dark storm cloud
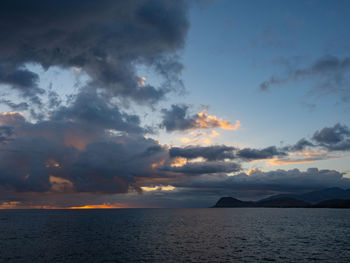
[329,72]
[112,166]
[106,39]
[331,135]
[96,110]
[88,145]
[176,118]
[209,167]
[5,133]
[336,138]
[20,79]
[70,154]
[80,157]
[216,152]
[23,167]
[256,154]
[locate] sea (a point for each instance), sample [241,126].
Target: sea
[176,235]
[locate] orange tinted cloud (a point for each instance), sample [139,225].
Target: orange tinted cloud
[158,164]
[11,118]
[177,162]
[254,170]
[306,156]
[199,137]
[19,205]
[51,163]
[204,120]
[141,82]
[59,184]
[158,188]
[76,140]
[277,162]
[9,205]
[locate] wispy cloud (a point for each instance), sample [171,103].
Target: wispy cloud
[329,74]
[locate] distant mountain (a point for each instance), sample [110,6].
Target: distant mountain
[232,202]
[278,202]
[317,196]
[282,202]
[326,194]
[330,197]
[333,203]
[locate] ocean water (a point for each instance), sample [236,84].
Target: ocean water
[175,235]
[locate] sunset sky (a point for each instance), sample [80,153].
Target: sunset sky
[116,104]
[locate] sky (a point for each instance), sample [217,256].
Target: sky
[160,103]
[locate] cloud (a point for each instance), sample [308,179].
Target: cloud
[302,157]
[336,138]
[88,145]
[329,72]
[211,153]
[323,145]
[112,166]
[11,118]
[20,79]
[102,166]
[256,154]
[95,110]
[71,155]
[299,146]
[274,181]
[209,167]
[199,137]
[80,149]
[177,118]
[105,39]
[158,188]
[15,106]
[320,147]
[272,81]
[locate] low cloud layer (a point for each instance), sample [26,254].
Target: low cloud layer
[278,181]
[257,154]
[211,153]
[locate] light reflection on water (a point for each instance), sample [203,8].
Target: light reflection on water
[176,235]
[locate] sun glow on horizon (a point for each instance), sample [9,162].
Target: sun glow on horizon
[18,205]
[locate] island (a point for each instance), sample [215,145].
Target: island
[326,198]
